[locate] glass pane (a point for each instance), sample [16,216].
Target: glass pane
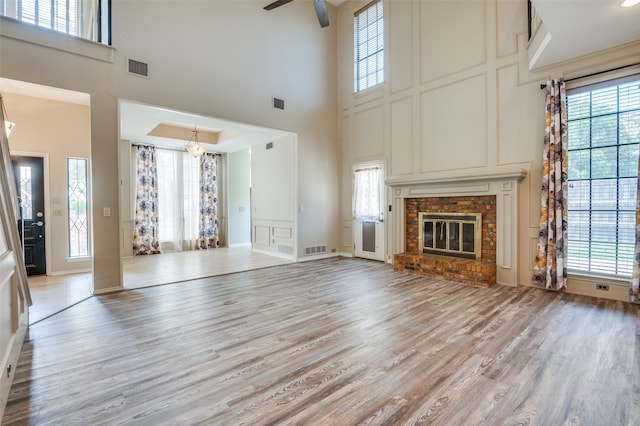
[26,195]
[579,134]
[468,237]
[578,227]
[427,236]
[604,130]
[630,126]
[441,235]
[454,236]
[579,164]
[579,195]
[627,189]
[77,204]
[604,194]
[604,162]
[628,160]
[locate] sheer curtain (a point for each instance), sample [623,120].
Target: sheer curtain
[366,194]
[178,200]
[550,267]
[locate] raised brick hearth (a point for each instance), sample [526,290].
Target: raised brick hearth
[480,272]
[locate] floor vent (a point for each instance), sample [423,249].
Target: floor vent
[138,68]
[311,250]
[285,249]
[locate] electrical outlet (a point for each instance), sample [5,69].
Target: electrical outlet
[604,287]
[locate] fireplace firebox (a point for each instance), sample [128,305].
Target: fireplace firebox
[452,234]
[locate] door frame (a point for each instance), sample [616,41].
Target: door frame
[47,202]
[383,204]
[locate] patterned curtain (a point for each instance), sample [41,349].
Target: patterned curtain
[145,234]
[208,227]
[550,268]
[634,288]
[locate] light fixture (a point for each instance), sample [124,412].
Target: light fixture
[629,3]
[8,125]
[193,147]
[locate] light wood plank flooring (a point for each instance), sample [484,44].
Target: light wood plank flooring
[331,342]
[52,294]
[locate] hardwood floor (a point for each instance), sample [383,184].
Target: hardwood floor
[331,342]
[54,293]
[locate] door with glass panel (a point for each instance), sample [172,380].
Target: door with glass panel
[368,211]
[29,175]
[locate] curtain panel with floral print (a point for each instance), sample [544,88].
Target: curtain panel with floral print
[145,234]
[550,267]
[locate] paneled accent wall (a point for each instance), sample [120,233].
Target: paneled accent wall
[458,100]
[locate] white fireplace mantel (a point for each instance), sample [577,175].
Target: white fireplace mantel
[501,181]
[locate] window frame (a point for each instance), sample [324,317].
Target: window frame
[378,39]
[13,10]
[70,256]
[622,268]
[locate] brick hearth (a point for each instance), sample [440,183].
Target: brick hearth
[481,272]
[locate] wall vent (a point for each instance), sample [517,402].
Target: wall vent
[285,249]
[137,68]
[311,250]
[278,103]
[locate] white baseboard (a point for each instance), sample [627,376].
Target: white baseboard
[274,254]
[71,271]
[317,257]
[346,254]
[106,290]
[239,245]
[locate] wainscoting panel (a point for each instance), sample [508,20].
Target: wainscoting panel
[454,129]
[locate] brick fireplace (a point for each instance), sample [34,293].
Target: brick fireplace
[478,271]
[491,192]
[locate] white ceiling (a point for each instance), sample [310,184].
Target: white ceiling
[579,27]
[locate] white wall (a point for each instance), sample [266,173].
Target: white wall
[60,130]
[457,98]
[239,197]
[274,196]
[223,59]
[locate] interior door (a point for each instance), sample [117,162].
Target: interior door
[368,208]
[29,175]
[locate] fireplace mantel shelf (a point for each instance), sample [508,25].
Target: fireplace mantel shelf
[506,172]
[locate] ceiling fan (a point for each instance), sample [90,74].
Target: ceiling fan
[321,10]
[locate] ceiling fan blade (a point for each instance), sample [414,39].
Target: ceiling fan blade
[321,11]
[276,3]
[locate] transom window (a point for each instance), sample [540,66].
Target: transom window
[368,27]
[88,19]
[603,137]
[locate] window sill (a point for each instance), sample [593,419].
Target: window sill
[600,278]
[14,29]
[78,259]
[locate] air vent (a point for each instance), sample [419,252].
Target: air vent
[278,103]
[311,250]
[137,68]
[285,249]
[269,145]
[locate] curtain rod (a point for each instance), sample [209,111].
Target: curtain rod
[169,149]
[544,85]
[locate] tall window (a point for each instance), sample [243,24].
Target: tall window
[77,199]
[368,38]
[88,19]
[178,200]
[603,137]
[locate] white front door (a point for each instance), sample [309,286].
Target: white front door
[368,211]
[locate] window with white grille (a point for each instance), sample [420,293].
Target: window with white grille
[368,25]
[603,137]
[88,19]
